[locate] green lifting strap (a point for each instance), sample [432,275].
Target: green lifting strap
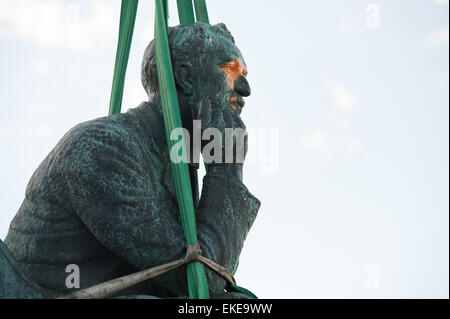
[126,28]
[197,283]
[201,12]
[186,12]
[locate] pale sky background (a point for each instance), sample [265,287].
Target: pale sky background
[358,204]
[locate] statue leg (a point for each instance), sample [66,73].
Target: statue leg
[13,282]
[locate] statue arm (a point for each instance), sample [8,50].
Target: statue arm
[225,214]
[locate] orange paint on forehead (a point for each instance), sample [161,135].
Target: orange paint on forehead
[233,70]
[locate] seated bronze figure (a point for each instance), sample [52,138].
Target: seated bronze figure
[104,198]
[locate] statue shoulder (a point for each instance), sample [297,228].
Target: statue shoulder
[94,145]
[100,135]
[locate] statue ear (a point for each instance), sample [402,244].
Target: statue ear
[183,78]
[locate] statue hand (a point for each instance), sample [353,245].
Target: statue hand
[223,120]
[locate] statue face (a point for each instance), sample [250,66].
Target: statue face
[223,75]
[236,73]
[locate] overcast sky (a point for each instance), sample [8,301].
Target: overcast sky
[349,117]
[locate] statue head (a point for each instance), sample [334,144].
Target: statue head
[206,64]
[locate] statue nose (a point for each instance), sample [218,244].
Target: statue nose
[242,87]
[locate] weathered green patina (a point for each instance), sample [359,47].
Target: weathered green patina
[104,197]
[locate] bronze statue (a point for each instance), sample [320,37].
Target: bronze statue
[104,199]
